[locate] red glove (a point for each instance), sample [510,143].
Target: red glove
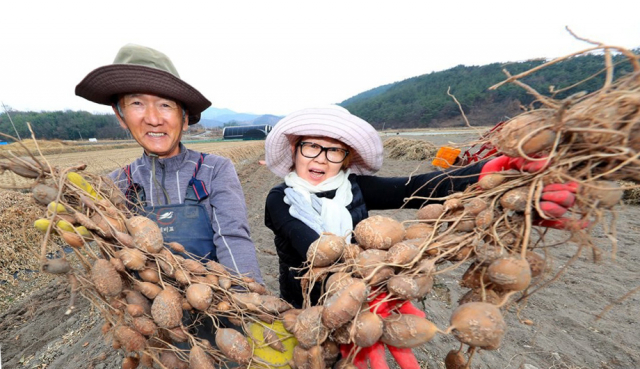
[375,354]
[556,198]
[502,163]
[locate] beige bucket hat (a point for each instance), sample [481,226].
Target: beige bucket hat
[333,121]
[140,69]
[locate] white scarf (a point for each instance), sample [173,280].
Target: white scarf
[321,214]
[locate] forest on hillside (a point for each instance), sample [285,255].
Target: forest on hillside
[422,101]
[418,102]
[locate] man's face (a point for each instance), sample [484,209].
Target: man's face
[155,122]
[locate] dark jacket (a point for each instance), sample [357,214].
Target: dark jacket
[293,237]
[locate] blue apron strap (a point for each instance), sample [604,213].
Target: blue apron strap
[196,190]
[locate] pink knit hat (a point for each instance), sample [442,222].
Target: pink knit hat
[332,121]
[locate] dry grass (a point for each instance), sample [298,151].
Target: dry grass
[19,242]
[409,149]
[631,195]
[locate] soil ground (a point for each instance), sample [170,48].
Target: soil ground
[563,331]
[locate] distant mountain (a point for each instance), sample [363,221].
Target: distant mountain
[267,119]
[237,117]
[210,119]
[213,113]
[215,117]
[210,123]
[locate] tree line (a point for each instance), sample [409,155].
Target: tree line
[61,125]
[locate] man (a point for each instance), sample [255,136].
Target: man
[196,199]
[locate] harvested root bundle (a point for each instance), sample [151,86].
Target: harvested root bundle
[589,142]
[142,286]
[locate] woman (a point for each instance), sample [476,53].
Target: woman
[327,157]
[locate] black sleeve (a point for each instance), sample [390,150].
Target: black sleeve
[292,230]
[382,193]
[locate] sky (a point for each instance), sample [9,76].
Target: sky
[275,57]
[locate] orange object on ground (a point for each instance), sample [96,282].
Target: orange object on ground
[445,157]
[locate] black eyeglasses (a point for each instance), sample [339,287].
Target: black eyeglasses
[333,154]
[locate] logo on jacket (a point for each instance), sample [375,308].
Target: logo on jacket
[165,218]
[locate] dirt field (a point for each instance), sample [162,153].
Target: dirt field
[35,333]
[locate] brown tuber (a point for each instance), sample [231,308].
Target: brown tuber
[379,232]
[430,212]
[343,305]
[455,360]
[199,359]
[530,132]
[106,278]
[418,230]
[289,319]
[170,360]
[129,339]
[368,329]
[148,289]
[146,234]
[199,296]
[133,259]
[309,330]
[166,309]
[408,287]
[537,263]
[478,324]
[56,266]
[234,345]
[407,331]
[130,362]
[605,193]
[44,194]
[510,273]
[516,199]
[371,265]
[402,253]
[325,250]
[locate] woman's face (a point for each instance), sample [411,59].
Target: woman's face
[317,170]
